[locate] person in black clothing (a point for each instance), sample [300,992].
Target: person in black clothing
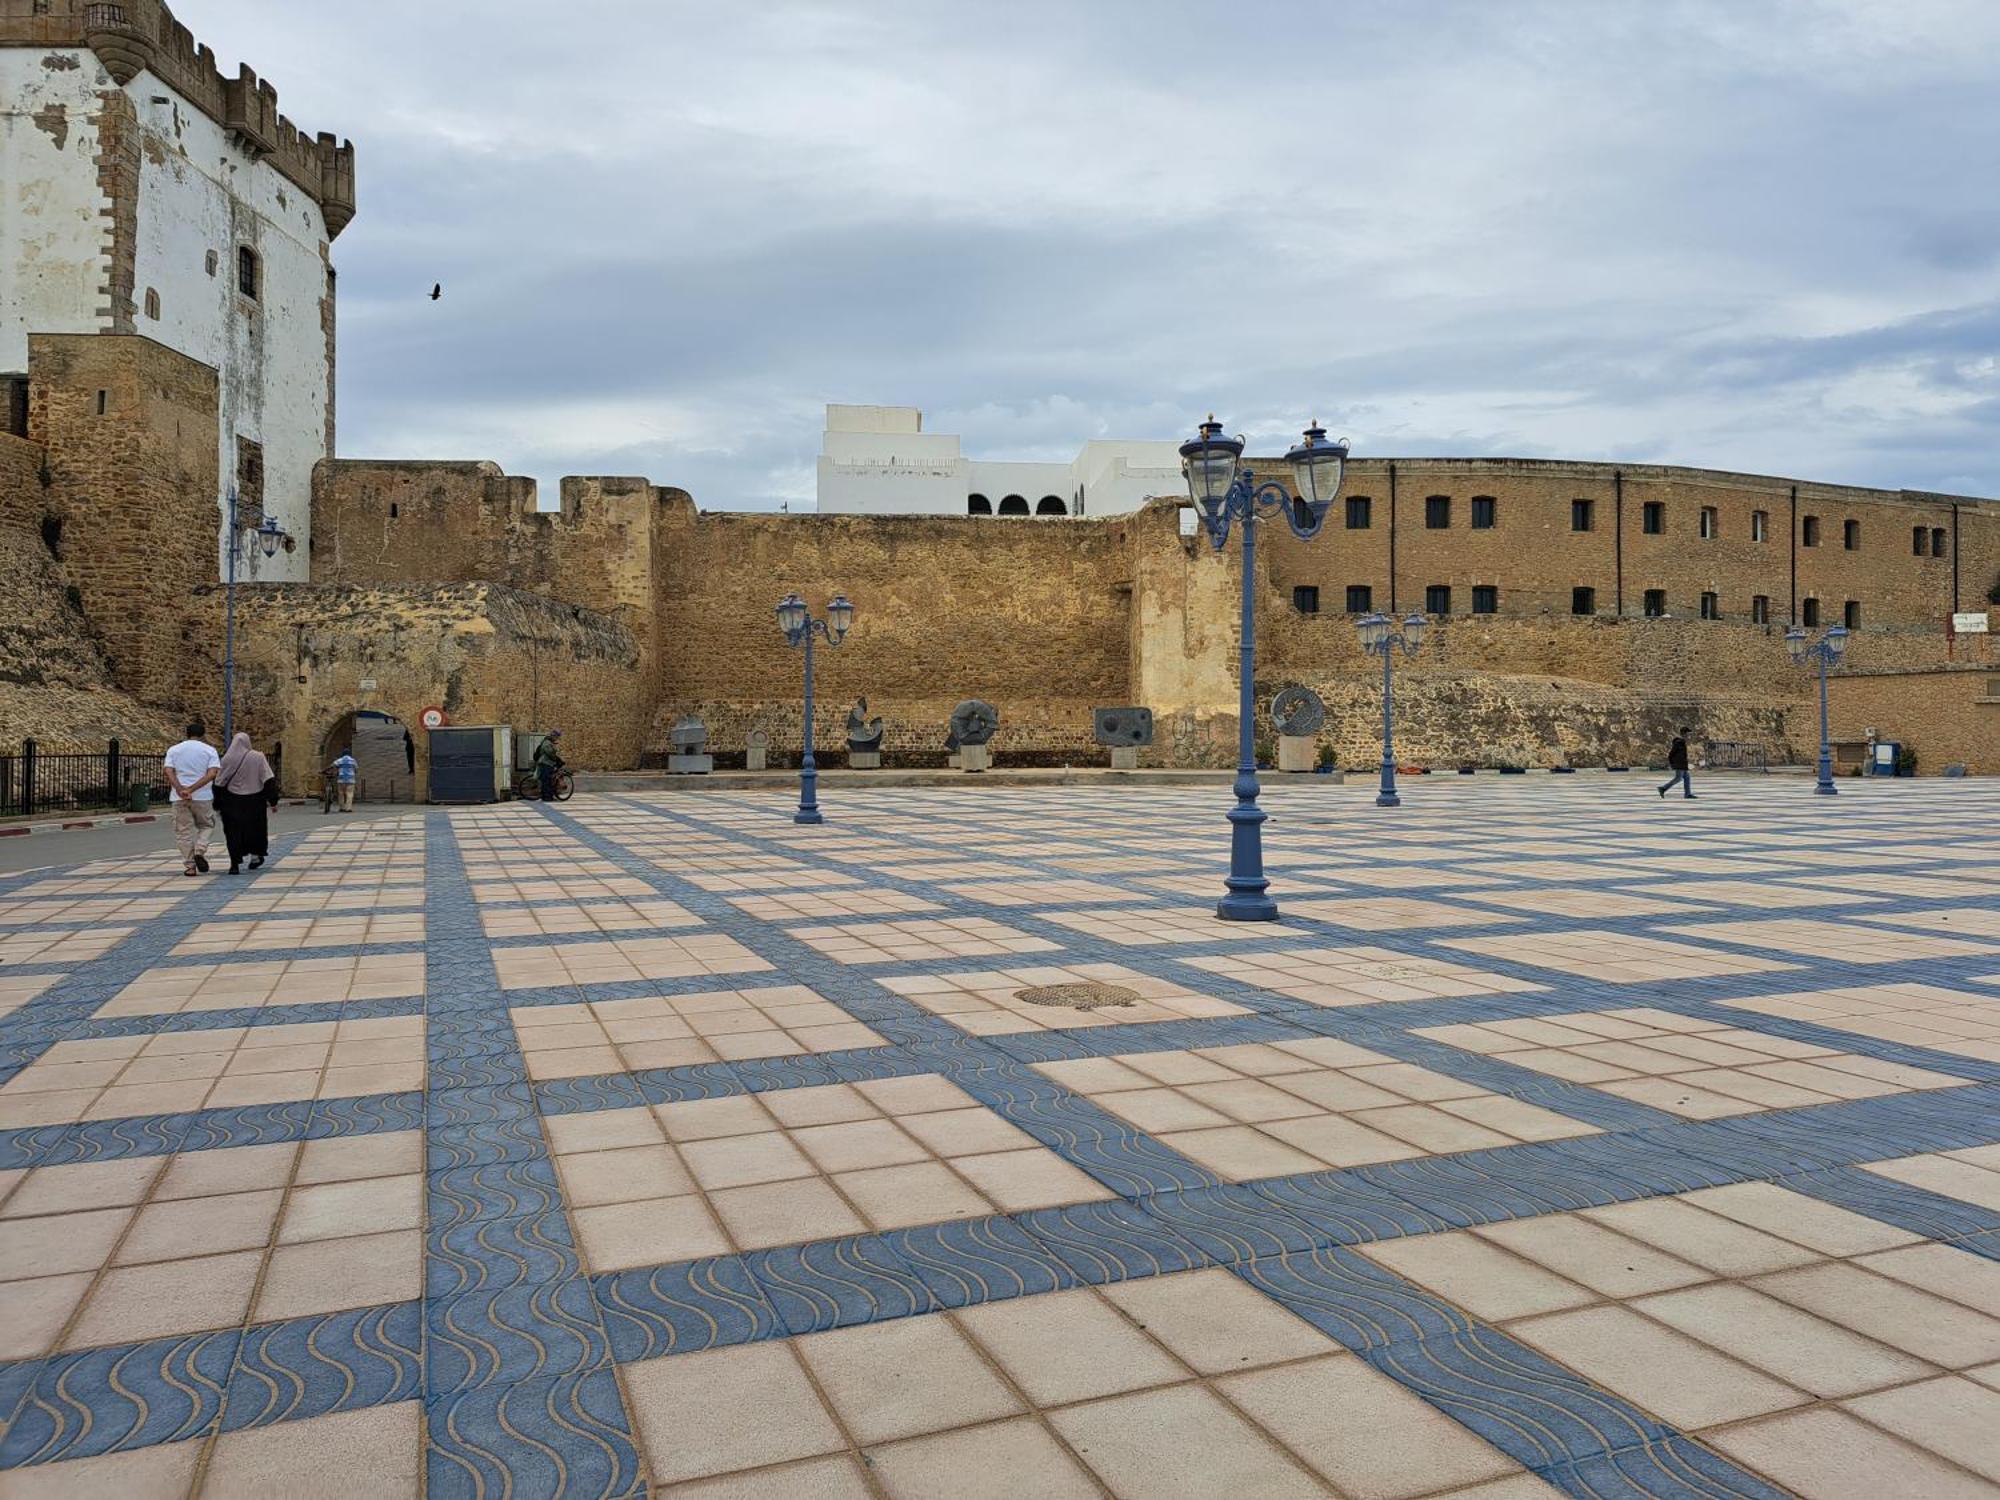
[1677,762]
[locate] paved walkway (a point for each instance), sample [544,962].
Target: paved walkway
[1557,1141]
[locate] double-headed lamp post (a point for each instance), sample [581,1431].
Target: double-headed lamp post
[1377,639]
[1825,652]
[800,627]
[1223,492]
[270,536]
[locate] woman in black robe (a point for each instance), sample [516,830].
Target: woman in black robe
[244,795]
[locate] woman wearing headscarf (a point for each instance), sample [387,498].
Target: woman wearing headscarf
[244,794]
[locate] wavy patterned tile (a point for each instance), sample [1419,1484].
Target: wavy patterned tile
[1528,1407]
[1675,1468]
[680,1309]
[1486,1187]
[1110,1240]
[1344,1208]
[365,1114]
[760,1074]
[968,1261]
[1916,1209]
[576,1096]
[837,1283]
[527,1332]
[450,1148]
[1230,1223]
[340,1362]
[478,1104]
[502,1190]
[675,1085]
[124,1396]
[1352,1299]
[564,1436]
[490,1255]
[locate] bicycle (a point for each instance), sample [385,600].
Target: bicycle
[527,784]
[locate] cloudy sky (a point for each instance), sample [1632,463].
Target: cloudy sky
[1758,235]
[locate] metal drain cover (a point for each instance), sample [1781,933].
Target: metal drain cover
[1079,996]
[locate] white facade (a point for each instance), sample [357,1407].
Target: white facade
[878,461]
[201,199]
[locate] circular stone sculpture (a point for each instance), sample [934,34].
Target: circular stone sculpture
[974,722]
[1298,711]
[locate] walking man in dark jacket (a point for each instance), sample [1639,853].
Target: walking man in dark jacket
[1677,762]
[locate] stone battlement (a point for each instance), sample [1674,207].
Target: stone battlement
[134,36]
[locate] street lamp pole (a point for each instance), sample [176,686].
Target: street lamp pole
[1824,653]
[1377,639]
[799,626]
[1223,492]
[269,537]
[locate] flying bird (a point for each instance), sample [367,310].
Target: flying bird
[437,291]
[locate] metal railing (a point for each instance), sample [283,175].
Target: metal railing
[1735,755]
[34,781]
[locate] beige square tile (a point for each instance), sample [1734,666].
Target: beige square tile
[363,1270]
[1954,1418]
[737,1160]
[1034,1178]
[828,1104]
[347,1158]
[165,1472]
[784,1213]
[1240,1153]
[921,1193]
[33,1312]
[1808,1352]
[377,1452]
[809,1479]
[966,1132]
[60,1242]
[603,1130]
[726,1409]
[621,1176]
[201,1226]
[1068,1346]
[1901,1316]
[918,1094]
[1215,1322]
[652,1232]
[1388,1444]
[1829,1455]
[1794,1216]
[707,1119]
[234,1169]
[1591,1254]
[904,1378]
[856,1144]
[131,1303]
[1945,1271]
[1341,1142]
[997,1461]
[1683,1381]
[1480,1277]
[1700,1238]
[83,1185]
[1180,1442]
[367,1206]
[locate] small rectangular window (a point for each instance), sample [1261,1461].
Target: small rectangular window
[1711,607]
[1760,525]
[1760,609]
[103,402]
[1850,535]
[14,412]
[250,479]
[1580,518]
[1920,541]
[246,272]
[1809,611]
[1937,542]
[1483,508]
[1485,599]
[1656,603]
[1810,527]
[1437,599]
[1360,599]
[1359,508]
[1583,601]
[1653,518]
[1305,599]
[1437,512]
[1709,524]
[1850,614]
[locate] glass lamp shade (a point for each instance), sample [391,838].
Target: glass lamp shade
[1374,631]
[1836,644]
[1316,468]
[791,614]
[839,616]
[1209,460]
[1413,631]
[1795,642]
[269,536]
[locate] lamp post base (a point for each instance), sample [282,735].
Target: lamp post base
[1825,789]
[1245,906]
[808,815]
[1388,799]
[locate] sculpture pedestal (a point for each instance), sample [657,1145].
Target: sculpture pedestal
[754,757]
[1124,757]
[953,759]
[690,765]
[1295,752]
[864,760]
[974,757]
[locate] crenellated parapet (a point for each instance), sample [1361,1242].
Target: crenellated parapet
[130,37]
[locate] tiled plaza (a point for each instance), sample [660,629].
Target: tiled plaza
[1558,1141]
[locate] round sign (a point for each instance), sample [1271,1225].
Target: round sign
[433,718]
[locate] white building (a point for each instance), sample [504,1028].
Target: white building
[147,194]
[879,461]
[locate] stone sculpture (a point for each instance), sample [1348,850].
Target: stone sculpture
[1299,715]
[1124,731]
[973,725]
[756,750]
[864,738]
[689,754]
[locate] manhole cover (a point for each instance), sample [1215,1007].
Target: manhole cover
[1079,996]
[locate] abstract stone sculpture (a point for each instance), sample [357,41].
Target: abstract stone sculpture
[1122,727]
[974,722]
[756,750]
[863,733]
[1298,711]
[689,739]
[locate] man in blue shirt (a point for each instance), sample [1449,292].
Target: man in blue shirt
[343,772]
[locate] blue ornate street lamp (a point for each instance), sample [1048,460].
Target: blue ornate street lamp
[1825,652]
[800,627]
[1377,639]
[270,536]
[1223,492]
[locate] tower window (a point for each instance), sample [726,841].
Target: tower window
[1656,603]
[249,277]
[1305,599]
[250,478]
[1583,601]
[1483,508]
[14,404]
[103,402]
[153,303]
[1850,535]
[1760,525]
[1711,607]
[1653,518]
[1809,612]
[1437,512]
[1709,523]
[1359,508]
[1937,542]
[1437,599]
[1850,614]
[1485,599]
[1360,599]
[1920,541]
[1810,528]
[1760,609]
[1581,515]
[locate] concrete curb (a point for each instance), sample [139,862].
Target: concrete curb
[109,820]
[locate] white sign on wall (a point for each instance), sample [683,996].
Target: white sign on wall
[1973,623]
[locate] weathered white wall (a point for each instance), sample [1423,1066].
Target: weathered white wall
[53,241]
[199,193]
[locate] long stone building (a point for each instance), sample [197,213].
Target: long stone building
[1581,610]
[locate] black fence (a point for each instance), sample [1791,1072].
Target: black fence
[33,781]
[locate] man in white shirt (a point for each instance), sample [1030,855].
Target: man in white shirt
[192,767]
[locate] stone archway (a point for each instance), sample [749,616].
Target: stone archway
[389,757]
